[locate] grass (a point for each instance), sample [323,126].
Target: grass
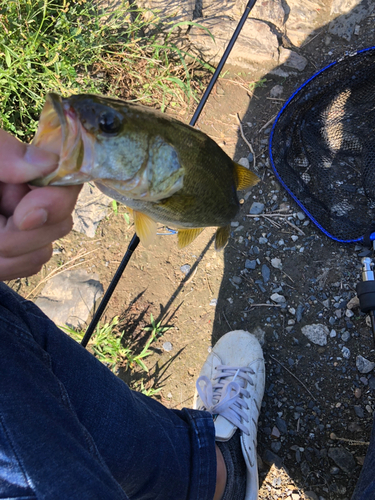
[74,47]
[110,346]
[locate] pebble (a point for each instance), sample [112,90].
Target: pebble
[262,240]
[185,269]
[256,208]
[301,215]
[244,162]
[359,411]
[281,425]
[213,302]
[364,365]
[343,459]
[357,393]
[237,280]
[345,336]
[167,346]
[266,273]
[294,237]
[316,333]
[279,299]
[332,333]
[276,263]
[345,352]
[299,312]
[234,224]
[349,313]
[250,264]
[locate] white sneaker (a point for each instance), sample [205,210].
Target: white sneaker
[231,388]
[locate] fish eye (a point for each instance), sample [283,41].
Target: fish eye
[109,123]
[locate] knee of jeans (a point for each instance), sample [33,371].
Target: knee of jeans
[14,481]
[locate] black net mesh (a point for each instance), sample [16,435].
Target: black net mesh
[322,147]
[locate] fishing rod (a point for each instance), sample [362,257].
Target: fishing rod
[135,240]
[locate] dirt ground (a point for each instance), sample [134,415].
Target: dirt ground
[312,389]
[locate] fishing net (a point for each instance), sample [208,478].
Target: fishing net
[322,147]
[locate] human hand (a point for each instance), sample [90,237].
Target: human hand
[30,218]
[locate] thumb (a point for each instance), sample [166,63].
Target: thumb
[20,163]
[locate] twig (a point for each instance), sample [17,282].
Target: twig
[299,231]
[226,320]
[247,142]
[265,305]
[292,374]
[60,269]
[266,125]
[270,215]
[350,441]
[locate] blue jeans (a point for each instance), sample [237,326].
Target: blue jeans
[70,429]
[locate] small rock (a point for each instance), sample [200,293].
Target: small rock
[279,299]
[185,269]
[237,280]
[245,163]
[345,352]
[310,495]
[275,434]
[276,263]
[345,336]
[292,59]
[294,237]
[250,264]
[342,458]
[266,273]
[301,215]
[359,411]
[349,313]
[316,333]
[262,240]
[299,312]
[332,333]
[357,393]
[281,425]
[234,224]
[364,365]
[353,303]
[167,346]
[213,302]
[256,208]
[271,459]
[276,91]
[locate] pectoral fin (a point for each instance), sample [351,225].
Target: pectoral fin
[221,237]
[145,227]
[187,236]
[245,178]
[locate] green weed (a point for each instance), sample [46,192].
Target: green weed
[107,344]
[74,47]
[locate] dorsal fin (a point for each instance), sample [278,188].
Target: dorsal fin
[245,178]
[187,236]
[145,227]
[221,237]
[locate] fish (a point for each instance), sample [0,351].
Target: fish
[162,169]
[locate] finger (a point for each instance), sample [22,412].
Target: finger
[48,205]
[21,162]
[24,265]
[14,242]
[10,196]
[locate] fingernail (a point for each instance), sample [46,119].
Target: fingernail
[34,219]
[41,158]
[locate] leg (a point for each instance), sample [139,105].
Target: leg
[365,488]
[70,429]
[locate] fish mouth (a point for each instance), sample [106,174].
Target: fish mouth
[61,132]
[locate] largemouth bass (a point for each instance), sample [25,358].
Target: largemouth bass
[160,168]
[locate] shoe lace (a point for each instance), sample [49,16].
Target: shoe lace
[227,393]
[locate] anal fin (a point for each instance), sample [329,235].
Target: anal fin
[145,227]
[221,237]
[187,236]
